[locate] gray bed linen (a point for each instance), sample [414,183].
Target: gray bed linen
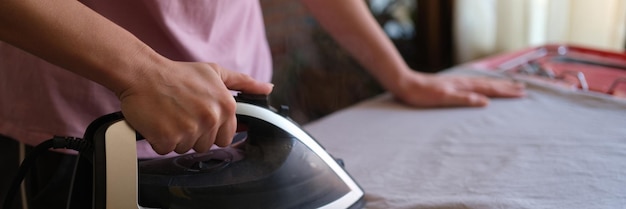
[555,148]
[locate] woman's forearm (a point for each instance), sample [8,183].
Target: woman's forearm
[72,36]
[351,24]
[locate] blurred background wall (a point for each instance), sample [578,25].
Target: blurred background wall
[485,27]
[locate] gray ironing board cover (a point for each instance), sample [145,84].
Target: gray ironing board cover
[555,148]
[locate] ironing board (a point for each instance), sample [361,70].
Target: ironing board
[555,148]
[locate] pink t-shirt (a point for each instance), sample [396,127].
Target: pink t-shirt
[40,100]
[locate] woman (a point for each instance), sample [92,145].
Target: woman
[169,67]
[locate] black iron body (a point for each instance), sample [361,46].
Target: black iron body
[267,166]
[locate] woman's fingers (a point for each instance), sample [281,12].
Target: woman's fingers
[187,106]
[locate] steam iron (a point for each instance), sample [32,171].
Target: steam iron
[273,164]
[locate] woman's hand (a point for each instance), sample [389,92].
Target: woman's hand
[352,25]
[186,105]
[424,90]
[177,106]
